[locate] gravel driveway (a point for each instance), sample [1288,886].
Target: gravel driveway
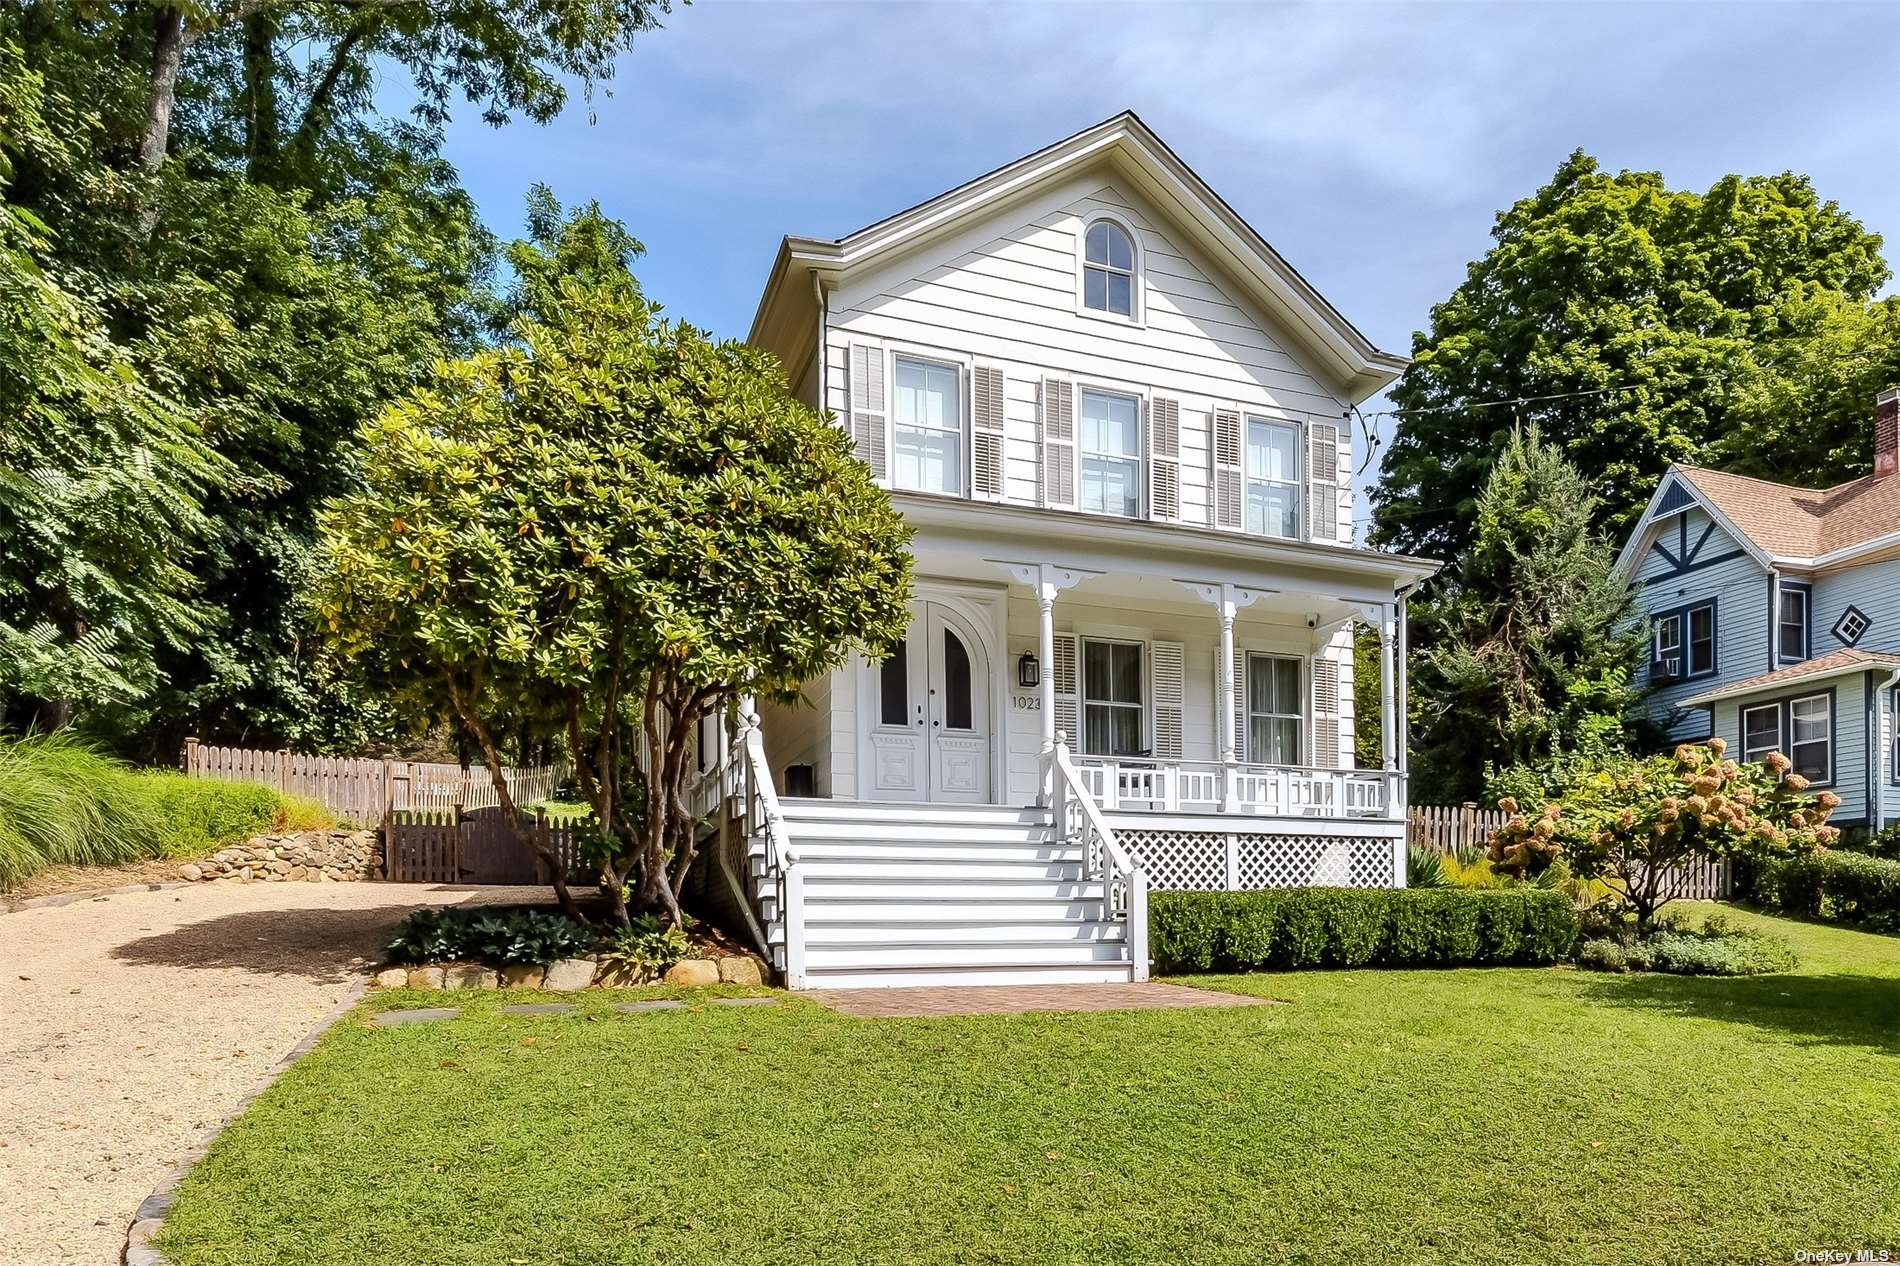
[131,1025]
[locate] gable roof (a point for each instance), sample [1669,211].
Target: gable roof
[1803,523]
[1817,669]
[1779,524]
[1129,147]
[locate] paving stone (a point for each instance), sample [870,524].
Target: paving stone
[536,1008]
[744,1002]
[655,1004]
[387,1018]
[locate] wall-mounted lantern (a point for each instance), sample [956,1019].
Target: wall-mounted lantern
[1028,671]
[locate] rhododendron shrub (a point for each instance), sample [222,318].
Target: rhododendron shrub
[1641,825]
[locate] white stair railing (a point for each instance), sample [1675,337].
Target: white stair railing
[743,775]
[1078,819]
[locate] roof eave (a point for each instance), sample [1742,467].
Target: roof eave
[1754,686]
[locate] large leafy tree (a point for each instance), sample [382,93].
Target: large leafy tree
[606,530]
[1528,644]
[280,257]
[1637,325]
[101,474]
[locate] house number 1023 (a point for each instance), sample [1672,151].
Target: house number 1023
[1028,703]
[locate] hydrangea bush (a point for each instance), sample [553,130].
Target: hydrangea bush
[1638,825]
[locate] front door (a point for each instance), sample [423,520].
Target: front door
[931,737]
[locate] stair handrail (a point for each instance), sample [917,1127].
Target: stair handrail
[760,791]
[1125,885]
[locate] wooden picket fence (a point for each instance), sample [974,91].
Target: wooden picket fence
[1451,826]
[438,846]
[1447,827]
[365,790]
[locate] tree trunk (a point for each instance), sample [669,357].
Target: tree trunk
[168,50]
[260,95]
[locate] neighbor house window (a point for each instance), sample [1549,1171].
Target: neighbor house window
[1893,721]
[1761,731]
[1811,737]
[1685,643]
[1111,453]
[1111,698]
[1794,622]
[1273,478]
[1274,717]
[1800,729]
[928,426]
[1108,270]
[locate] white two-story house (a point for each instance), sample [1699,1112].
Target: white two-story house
[1121,425]
[1774,616]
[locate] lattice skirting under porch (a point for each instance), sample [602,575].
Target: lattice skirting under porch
[1203,861]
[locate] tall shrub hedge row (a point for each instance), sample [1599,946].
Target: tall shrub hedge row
[1837,885]
[1358,927]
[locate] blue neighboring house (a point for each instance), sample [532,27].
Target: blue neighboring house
[1774,617]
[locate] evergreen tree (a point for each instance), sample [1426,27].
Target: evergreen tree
[1529,643]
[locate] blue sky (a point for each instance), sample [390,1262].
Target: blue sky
[1371,143]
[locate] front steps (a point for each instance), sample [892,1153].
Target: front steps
[919,894]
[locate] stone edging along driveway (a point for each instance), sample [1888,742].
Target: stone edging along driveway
[150,1218]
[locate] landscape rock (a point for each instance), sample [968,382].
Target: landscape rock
[741,969]
[392,978]
[693,972]
[523,976]
[469,976]
[620,974]
[425,978]
[191,874]
[570,973]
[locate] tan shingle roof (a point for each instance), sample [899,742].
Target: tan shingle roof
[1791,522]
[1816,669]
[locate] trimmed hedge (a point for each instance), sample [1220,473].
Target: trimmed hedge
[1839,886]
[1358,927]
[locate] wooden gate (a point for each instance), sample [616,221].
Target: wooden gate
[477,847]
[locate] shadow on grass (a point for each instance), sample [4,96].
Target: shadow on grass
[322,945]
[1843,1009]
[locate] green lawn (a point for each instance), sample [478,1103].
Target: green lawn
[1455,1116]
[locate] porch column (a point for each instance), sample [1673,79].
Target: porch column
[1046,656]
[1046,580]
[1227,600]
[1403,703]
[1388,689]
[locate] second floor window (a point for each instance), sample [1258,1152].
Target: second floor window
[1111,453]
[1685,643]
[928,427]
[1794,623]
[1273,478]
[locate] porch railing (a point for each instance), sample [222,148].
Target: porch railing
[1078,820]
[1128,783]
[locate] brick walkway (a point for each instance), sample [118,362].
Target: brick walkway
[935,1000]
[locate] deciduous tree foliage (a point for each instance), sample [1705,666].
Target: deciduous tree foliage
[608,529]
[277,258]
[1527,643]
[1735,327]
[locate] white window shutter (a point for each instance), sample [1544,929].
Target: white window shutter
[1056,416]
[1168,670]
[1162,428]
[1225,507]
[1326,717]
[870,417]
[1068,690]
[988,425]
[1240,700]
[1324,471]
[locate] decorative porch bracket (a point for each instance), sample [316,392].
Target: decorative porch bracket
[1046,580]
[1227,600]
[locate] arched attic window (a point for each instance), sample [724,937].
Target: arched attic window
[1108,270]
